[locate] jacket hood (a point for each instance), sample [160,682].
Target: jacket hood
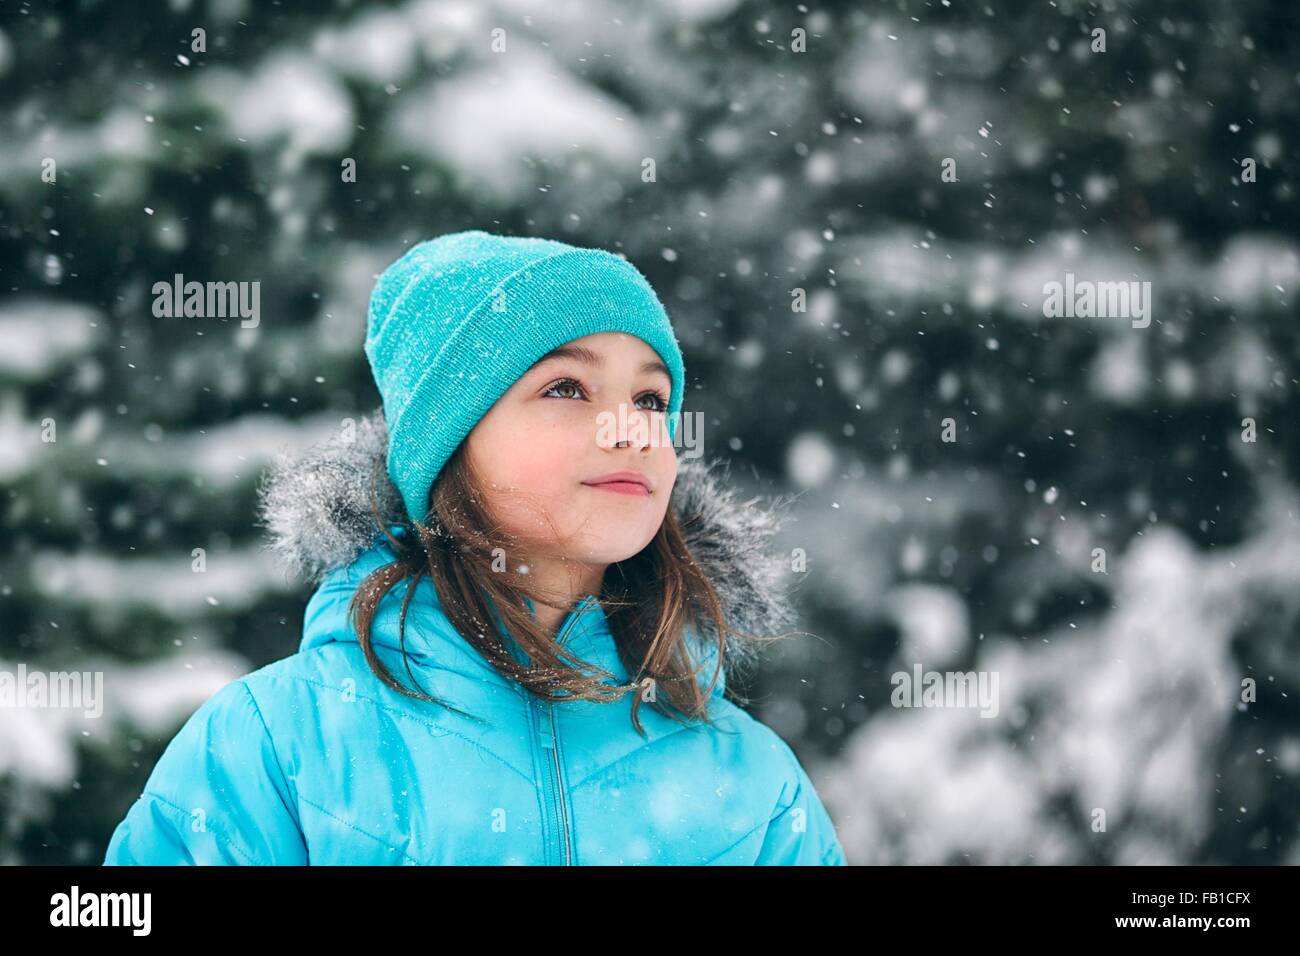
[316,508]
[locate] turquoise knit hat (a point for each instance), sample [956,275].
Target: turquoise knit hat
[458,319]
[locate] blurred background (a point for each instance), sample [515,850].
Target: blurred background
[1101,514]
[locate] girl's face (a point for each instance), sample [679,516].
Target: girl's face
[589,408]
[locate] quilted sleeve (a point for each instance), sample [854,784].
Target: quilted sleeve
[801,832]
[218,795]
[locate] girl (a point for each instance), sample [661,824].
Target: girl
[501,536]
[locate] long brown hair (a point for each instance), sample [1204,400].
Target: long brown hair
[650,601]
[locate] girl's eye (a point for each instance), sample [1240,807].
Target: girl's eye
[563,383]
[658,402]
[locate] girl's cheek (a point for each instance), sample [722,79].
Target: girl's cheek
[543,412]
[568,424]
[540,460]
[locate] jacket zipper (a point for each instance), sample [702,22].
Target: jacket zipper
[554,784]
[554,779]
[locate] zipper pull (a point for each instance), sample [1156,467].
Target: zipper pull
[544,724]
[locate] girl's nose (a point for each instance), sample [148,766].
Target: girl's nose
[628,426]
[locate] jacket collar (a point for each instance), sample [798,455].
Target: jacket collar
[316,507]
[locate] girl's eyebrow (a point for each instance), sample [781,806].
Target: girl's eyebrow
[583,354]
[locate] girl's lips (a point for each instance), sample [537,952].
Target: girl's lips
[623,488]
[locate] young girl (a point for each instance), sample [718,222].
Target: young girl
[517,652]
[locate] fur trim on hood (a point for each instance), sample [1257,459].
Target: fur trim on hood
[317,509]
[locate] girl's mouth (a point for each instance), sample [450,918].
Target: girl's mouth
[623,488]
[626,482]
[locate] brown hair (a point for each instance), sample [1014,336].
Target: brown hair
[650,600]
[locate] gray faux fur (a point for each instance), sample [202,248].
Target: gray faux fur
[317,509]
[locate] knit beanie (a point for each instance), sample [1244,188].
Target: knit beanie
[458,319]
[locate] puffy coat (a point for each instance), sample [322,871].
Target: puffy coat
[313,759]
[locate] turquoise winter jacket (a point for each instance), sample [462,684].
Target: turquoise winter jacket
[314,760]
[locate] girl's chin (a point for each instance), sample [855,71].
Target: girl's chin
[617,545]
